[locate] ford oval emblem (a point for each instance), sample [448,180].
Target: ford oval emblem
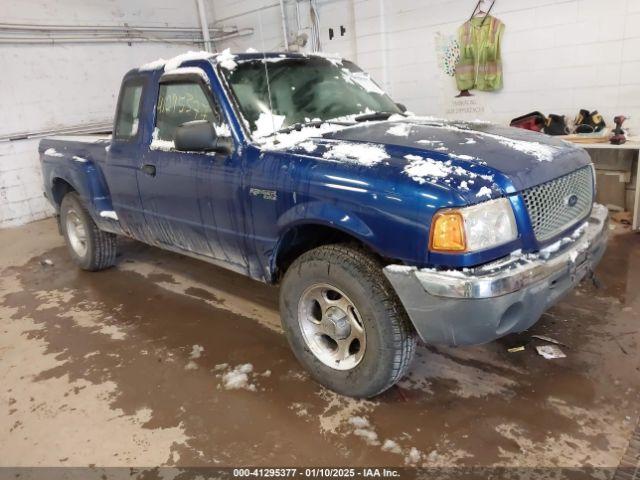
[571,200]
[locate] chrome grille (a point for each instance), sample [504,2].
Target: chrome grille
[549,204]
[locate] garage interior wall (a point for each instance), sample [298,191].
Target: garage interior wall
[559,57]
[47,87]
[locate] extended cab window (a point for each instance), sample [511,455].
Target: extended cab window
[179,103]
[129,111]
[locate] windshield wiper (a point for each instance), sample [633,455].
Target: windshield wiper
[300,125]
[313,123]
[366,117]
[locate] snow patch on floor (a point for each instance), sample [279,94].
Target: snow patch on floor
[196,352]
[238,378]
[413,456]
[391,446]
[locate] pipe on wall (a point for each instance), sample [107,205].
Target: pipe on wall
[100,37]
[204,25]
[285,32]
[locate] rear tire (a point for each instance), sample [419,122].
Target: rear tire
[344,322]
[90,248]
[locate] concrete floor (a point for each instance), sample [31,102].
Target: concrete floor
[126,367]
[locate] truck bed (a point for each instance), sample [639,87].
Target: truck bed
[79,148]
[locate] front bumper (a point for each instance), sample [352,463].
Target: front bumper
[478,305]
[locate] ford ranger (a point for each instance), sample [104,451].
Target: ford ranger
[380,227]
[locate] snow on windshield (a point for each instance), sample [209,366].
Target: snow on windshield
[267,124]
[302,87]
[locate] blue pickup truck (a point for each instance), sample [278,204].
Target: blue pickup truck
[381,227]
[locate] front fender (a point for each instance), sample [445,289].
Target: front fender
[326,214]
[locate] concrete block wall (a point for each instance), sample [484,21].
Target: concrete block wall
[52,86]
[559,55]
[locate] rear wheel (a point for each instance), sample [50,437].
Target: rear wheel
[90,248]
[344,322]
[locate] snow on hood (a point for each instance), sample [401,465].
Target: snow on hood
[478,160]
[360,153]
[526,158]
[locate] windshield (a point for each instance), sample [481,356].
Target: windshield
[302,90]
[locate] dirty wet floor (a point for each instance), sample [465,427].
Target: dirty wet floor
[165,360]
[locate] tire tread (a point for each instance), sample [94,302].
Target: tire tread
[369,268]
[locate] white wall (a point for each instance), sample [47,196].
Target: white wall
[45,87]
[559,55]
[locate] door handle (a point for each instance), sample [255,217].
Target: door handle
[149,169]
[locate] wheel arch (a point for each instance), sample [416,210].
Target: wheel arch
[59,188]
[302,237]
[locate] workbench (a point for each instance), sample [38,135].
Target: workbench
[630,145]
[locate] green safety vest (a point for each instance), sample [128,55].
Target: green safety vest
[480,65]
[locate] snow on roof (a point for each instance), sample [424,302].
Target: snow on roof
[334,58]
[152,65]
[175,62]
[192,70]
[226,59]
[178,60]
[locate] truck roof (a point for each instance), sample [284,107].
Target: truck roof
[221,57]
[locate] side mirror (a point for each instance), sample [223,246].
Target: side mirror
[402,107]
[200,136]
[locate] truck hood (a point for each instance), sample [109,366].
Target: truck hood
[513,159]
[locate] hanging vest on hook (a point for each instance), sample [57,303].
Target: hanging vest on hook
[480,65]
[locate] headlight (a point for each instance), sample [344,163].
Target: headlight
[478,227]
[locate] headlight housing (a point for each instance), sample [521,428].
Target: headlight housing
[486,225]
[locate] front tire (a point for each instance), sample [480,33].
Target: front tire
[344,322]
[90,248]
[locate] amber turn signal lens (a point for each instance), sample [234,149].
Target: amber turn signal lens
[447,233]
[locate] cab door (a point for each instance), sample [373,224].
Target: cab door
[167,178]
[123,156]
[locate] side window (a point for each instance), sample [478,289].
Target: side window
[128,111]
[179,103]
